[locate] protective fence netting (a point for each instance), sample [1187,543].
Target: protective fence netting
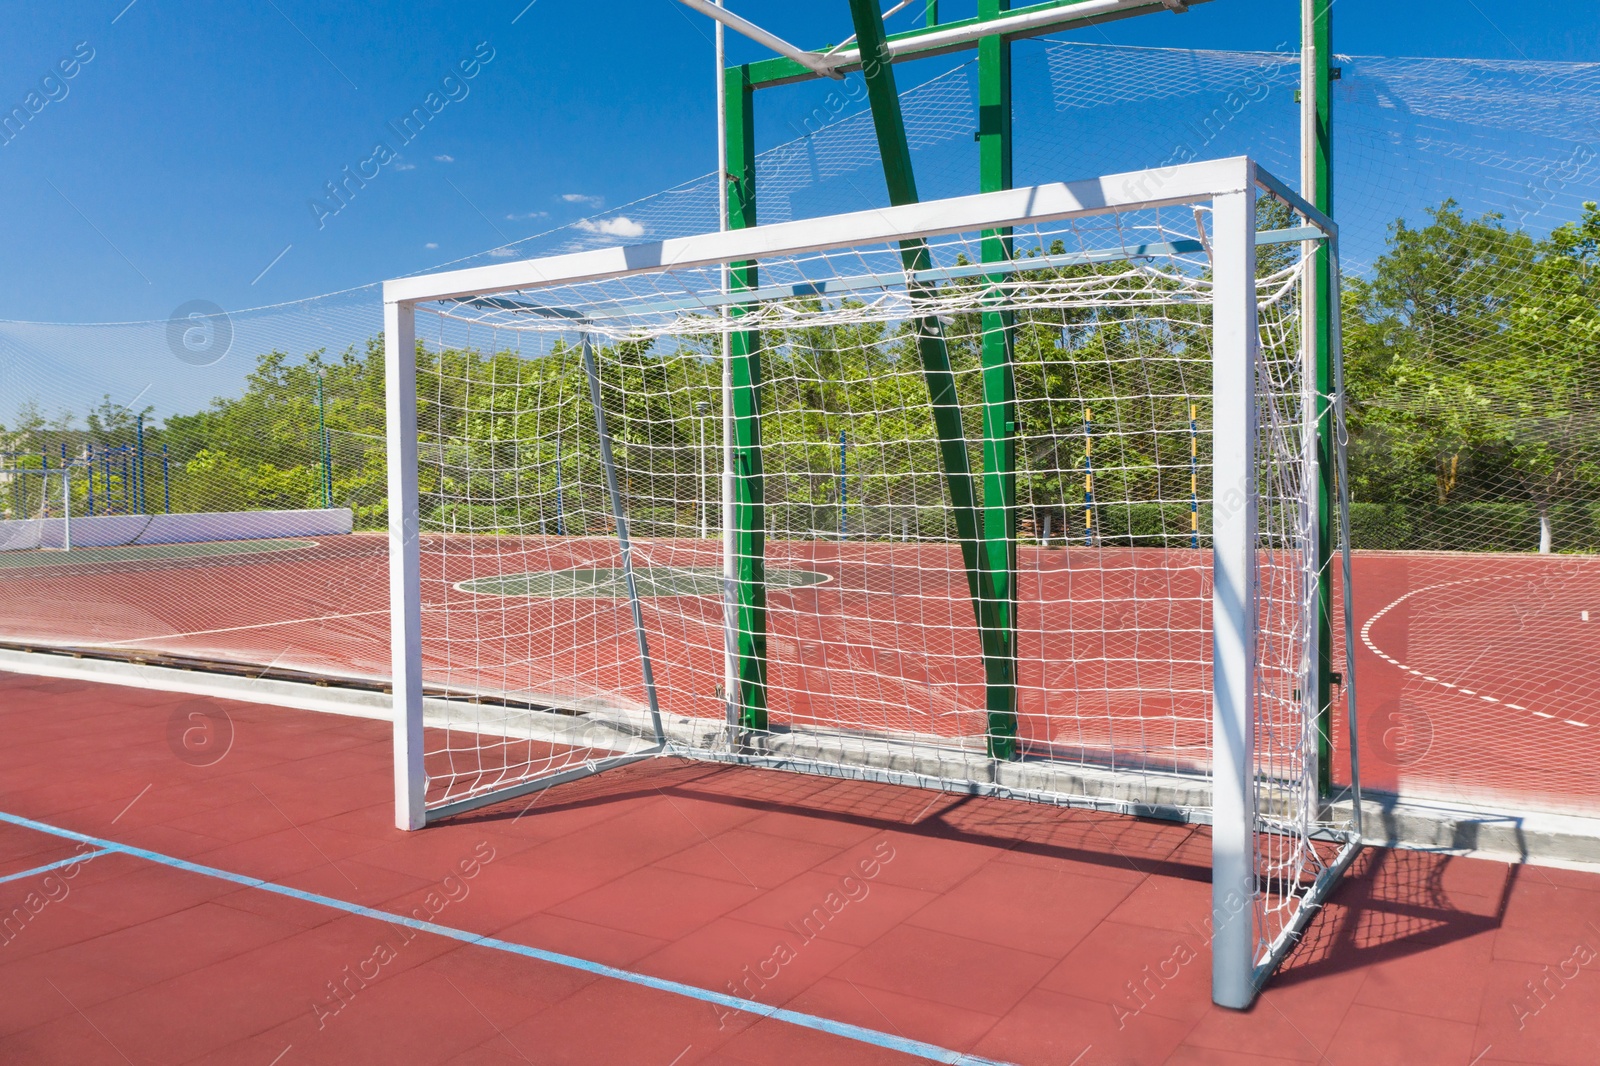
[1473,370]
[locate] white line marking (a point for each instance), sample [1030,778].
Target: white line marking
[1366,638]
[131,802]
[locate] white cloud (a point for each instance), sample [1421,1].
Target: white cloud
[405,166]
[530,214]
[617,226]
[502,253]
[444,159]
[580,198]
[431,244]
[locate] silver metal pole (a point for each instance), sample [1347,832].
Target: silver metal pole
[1310,93]
[810,60]
[730,679]
[66,506]
[1234,893]
[622,538]
[405,562]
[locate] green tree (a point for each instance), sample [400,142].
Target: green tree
[1473,361]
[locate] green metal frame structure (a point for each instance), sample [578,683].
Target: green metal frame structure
[990,589]
[987,532]
[999,404]
[748,699]
[1317,34]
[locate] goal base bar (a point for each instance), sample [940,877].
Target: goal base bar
[1289,939]
[947,764]
[528,788]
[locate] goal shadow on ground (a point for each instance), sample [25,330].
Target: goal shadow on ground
[1142,846]
[1394,903]
[1390,905]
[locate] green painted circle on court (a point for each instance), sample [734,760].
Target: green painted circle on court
[610,583]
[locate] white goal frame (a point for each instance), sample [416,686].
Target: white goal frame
[1230,187]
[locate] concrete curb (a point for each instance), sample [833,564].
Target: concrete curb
[1446,827]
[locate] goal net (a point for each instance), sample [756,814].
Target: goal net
[1013,494]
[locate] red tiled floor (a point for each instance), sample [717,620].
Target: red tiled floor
[764,861]
[1373,1036]
[1047,1027]
[994,928]
[176,943]
[947,969]
[21,850]
[876,1008]
[1021,908]
[828,907]
[1291,1021]
[657,902]
[749,961]
[1137,969]
[598,943]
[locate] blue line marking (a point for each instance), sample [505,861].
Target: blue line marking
[85,857]
[931,1052]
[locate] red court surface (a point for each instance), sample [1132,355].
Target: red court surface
[879,916]
[1479,674]
[1480,677]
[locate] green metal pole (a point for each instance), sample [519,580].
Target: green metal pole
[749,512]
[1319,171]
[895,150]
[999,399]
[933,12]
[326,463]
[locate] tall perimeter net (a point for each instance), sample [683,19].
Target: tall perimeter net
[904,495]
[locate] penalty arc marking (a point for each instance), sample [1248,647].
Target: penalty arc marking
[1366,638]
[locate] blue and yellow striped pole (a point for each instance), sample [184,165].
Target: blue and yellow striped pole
[1194,476]
[1088,477]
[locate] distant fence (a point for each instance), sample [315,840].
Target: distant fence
[106,531]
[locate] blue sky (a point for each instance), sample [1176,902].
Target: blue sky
[179,162]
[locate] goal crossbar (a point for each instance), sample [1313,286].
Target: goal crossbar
[1163,187]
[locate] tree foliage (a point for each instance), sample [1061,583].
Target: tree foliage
[1472,366]
[1473,363]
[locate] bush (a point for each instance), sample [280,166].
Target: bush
[1383,526]
[470,518]
[1481,526]
[216,481]
[1140,525]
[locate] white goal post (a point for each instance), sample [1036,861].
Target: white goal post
[907,401]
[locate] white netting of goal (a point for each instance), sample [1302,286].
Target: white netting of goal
[665,571]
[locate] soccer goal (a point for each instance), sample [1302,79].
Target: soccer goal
[783,497]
